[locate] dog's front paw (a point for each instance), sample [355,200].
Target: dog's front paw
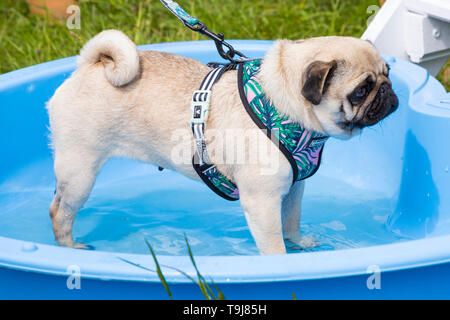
[83,246]
[76,245]
[305,242]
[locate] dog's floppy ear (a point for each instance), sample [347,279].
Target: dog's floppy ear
[317,75]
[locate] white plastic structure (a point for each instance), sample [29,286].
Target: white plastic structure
[414,30]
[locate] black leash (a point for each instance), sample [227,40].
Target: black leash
[224,49]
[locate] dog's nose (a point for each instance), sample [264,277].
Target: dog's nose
[384,88]
[385,91]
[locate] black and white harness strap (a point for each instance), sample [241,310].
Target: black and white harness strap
[199,113]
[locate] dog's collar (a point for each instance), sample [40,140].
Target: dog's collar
[302,147]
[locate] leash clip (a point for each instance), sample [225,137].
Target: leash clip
[225,50]
[200,106]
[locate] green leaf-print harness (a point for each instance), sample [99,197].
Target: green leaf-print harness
[302,147]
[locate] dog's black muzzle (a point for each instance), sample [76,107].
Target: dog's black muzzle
[384,103]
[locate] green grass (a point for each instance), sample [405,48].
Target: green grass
[26,39]
[203,285]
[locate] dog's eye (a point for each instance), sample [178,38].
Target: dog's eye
[359,95]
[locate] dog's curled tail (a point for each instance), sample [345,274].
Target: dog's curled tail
[118,54]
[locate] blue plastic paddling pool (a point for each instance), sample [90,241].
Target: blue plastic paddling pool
[379,202]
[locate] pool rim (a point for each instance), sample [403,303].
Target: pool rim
[40,258]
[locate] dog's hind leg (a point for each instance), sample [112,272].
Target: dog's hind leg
[75,175]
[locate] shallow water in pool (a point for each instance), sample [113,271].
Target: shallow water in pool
[132,202]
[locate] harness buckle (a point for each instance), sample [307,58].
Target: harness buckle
[200,106]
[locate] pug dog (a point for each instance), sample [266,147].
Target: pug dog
[122,102]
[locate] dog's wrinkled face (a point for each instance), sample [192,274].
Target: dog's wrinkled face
[350,91]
